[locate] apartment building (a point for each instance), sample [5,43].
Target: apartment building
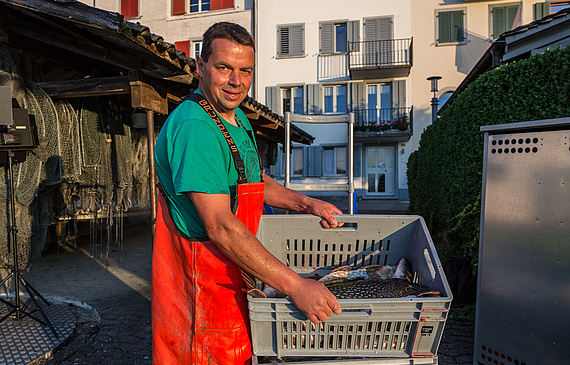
[322,57]
[181,22]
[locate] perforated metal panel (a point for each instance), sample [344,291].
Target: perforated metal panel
[523,297]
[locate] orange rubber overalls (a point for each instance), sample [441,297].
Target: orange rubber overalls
[199,311]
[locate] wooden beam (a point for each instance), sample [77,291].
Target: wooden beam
[94,86]
[252,115]
[146,97]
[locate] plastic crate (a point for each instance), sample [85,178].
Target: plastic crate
[400,327]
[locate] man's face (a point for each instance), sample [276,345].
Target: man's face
[226,77]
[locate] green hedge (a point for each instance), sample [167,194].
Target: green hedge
[445,173]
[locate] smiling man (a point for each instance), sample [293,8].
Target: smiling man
[213,191]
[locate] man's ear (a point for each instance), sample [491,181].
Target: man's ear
[199,63]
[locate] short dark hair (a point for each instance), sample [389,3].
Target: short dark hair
[230,31]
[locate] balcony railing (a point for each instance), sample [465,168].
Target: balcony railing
[386,119]
[380,54]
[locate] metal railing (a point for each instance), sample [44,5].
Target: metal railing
[380,54]
[384,119]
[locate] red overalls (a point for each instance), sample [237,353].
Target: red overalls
[199,311]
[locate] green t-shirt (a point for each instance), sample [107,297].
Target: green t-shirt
[192,155]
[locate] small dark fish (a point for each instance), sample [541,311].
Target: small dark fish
[369,289]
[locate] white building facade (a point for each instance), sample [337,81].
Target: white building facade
[322,57]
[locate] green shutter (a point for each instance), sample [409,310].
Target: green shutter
[511,14]
[457,31]
[327,38]
[541,10]
[444,27]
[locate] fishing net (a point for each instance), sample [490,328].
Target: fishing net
[88,164]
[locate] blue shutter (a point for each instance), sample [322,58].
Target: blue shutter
[314,161]
[357,165]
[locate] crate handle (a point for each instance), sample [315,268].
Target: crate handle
[356,312]
[429,263]
[346,226]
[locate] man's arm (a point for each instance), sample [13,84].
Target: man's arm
[276,195]
[238,244]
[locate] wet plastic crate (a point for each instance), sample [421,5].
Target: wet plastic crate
[386,327]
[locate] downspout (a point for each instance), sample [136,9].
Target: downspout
[255,37]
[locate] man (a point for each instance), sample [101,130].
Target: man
[214,191]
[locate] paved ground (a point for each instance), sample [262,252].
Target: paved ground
[116,283]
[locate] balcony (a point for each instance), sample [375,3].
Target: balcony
[380,59]
[383,125]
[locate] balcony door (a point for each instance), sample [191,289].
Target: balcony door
[380,171]
[378,103]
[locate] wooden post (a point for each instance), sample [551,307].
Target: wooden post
[151,172]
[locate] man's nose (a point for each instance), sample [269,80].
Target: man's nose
[235,78]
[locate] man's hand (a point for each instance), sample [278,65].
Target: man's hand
[324,210]
[315,300]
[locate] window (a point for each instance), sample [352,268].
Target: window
[546,8]
[503,18]
[292,100]
[335,99]
[451,27]
[197,6]
[130,8]
[297,161]
[196,48]
[291,40]
[335,160]
[335,36]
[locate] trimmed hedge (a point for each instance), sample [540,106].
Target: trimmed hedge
[445,173]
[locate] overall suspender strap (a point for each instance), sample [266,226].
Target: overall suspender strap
[238,161]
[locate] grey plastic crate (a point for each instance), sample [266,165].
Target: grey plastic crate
[402,327]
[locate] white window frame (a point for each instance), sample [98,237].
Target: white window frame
[437,41]
[196,48]
[335,153]
[200,6]
[291,89]
[335,94]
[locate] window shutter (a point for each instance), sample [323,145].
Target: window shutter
[130,8]
[183,46]
[221,4]
[457,31]
[327,37]
[541,10]
[444,27]
[178,7]
[313,92]
[314,161]
[385,29]
[272,98]
[358,100]
[353,29]
[283,40]
[399,94]
[498,21]
[511,14]
[357,166]
[297,39]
